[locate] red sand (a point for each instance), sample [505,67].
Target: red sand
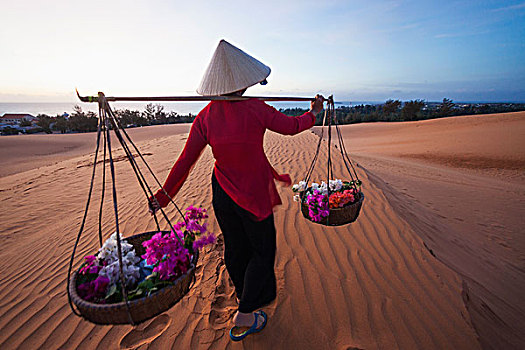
[372,284]
[25,152]
[460,183]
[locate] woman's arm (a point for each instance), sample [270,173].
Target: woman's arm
[182,167]
[286,125]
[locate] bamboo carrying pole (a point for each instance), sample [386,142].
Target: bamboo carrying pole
[194,98]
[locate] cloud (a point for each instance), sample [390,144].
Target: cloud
[512,7]
[457,35]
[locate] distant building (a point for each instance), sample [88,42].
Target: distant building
[16,119]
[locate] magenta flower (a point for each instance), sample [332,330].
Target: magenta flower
[167,254]
[91,265]
[94,290]
[317,206]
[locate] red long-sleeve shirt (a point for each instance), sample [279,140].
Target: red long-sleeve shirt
[235,132]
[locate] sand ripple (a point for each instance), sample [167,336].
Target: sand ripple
[368,285]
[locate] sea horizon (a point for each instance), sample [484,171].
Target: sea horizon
[182,108]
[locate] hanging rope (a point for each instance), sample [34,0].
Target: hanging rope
[138,173]
[120,128]
[329,145]
[314,160]
[84,217]
[350,215]
[115,208]
[330,118]
[103,190]
[107,122]
[140,178]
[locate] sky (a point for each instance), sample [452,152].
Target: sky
[357,50]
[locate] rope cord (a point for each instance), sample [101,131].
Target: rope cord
[138,173]
[114,187]
[344,153]
[346,159]
[140,177]
[346,166]
[103,189]
[149,168]
[329,145]
[334,117]
[314,160]
[156,221]
[349,161]
[330,114]
[83,220]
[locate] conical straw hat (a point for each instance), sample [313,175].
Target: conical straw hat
[230,70]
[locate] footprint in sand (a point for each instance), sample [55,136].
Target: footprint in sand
[145,334]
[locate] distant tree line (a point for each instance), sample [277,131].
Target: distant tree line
[395,110]
[80,121]
[154,114]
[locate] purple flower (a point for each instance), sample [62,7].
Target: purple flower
[94,269]
[203,241]
[93,290]
[193,213]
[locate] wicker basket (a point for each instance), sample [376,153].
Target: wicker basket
[140,309]
[338,216]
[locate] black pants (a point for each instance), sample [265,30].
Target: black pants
[249,251]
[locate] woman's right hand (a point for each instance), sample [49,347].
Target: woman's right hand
[316,105]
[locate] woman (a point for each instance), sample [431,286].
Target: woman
[244,191]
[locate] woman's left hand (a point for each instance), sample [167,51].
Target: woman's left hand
[153,205]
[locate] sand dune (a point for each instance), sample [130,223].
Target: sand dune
[369,285]
[25,152]
[460,184]
[491,144]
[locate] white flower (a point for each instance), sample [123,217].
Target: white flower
[323,189]
[109,253]
[296,198]
[131,271]
[302,185]
[315,186]
[336,185]
[111,272]
[109,250]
